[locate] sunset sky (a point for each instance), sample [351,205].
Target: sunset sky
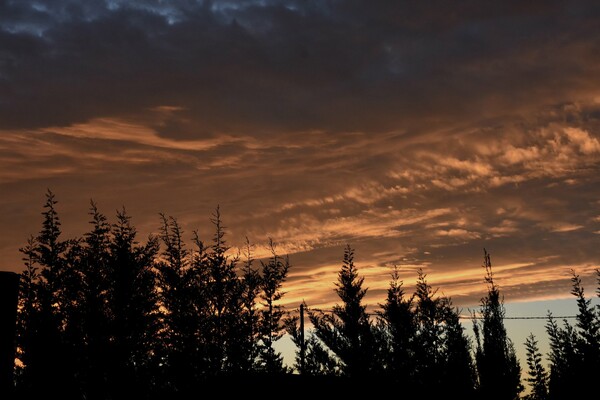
[417,132]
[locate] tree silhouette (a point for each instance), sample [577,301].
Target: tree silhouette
[28,319]
[52,367]
[442,350]
[105,317]
[588,323]
[133,303]
[428,336]
[575,350]
[177,294]
[347,332]
[497,365]
[274,273]
[538,377]
[223,297]
[248,328]
[92,263]
[563,359]
[318,360]
[397,320]
[458,372]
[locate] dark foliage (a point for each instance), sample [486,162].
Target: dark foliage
[497,365]
[347,331]
[107,317]
[575,350]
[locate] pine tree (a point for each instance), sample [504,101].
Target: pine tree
[53,360]
[249,327]
[458,371]
[176,282]
[538,377]
[575,351]
[442,350]
[223,296]
[318,361]
[397,321]
[347,332]
[274,273]
[587,322]
[133,303]
[497,364]
[28,319]
[564,360]
[94,268]
[428,336]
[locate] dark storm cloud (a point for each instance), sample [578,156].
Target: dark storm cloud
[257,67]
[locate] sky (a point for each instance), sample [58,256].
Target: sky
[419,133]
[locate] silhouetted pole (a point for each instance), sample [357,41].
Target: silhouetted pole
[302,345]
[9,292]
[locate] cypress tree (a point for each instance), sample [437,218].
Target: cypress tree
[397,320]
[538,377]
[318,360]
[92,264]
[28,323]
[53,363]
[223,297]
[563,359]
[575,350]
[176,283]
[497,364]
[347,332]
[458,370]
[133,303]
[249,326]
[274,273]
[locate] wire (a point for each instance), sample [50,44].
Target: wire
[530,317]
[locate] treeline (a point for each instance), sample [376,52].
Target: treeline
[106,316]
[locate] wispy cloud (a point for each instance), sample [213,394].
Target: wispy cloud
[417,137]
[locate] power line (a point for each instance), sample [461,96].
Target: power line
[529,317]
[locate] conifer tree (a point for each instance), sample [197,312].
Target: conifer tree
[428,336]
[347,332]
[563,359]
[53,363]
[575,350]
[442,356]
[274,273]
[497,364]
[133,303]
[223,296]
[587,322]
[318,361]
[458,371]
[249,330]
[538,377]
[90,260]
[28,316]
[177,296]
[397,320]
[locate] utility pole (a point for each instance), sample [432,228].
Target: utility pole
[302,343]
[9,294]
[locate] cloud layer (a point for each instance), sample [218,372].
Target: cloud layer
[418,133]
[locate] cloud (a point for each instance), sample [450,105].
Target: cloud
[289,66]
[565,228]
[582,139]
[458,233]
[419,133]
